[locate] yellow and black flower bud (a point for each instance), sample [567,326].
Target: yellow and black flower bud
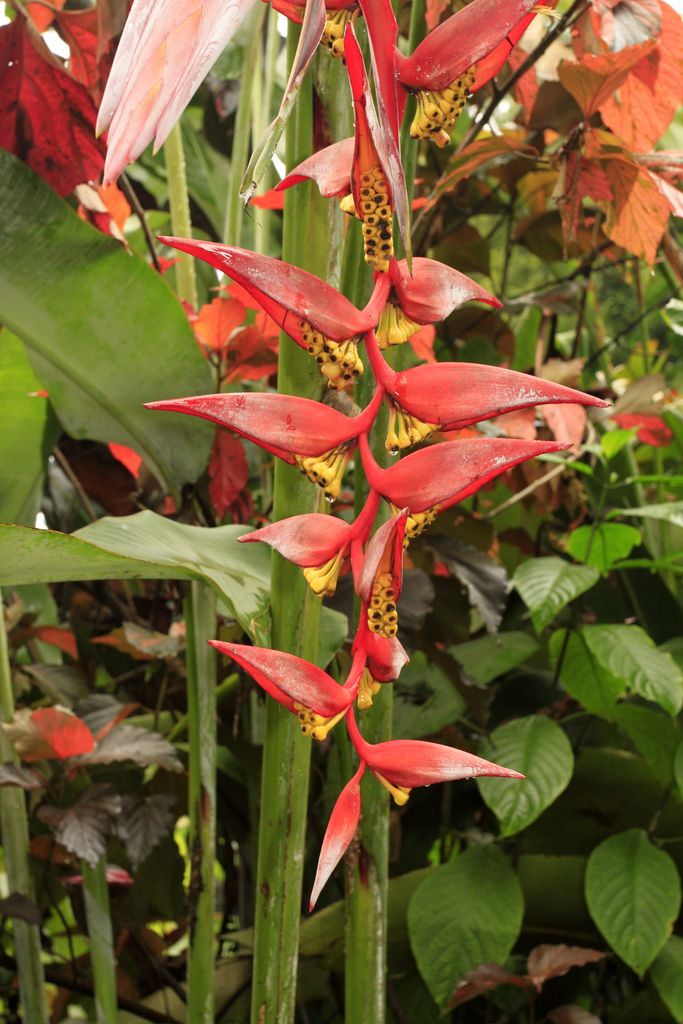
[382,614]
[405,430]
[333,33]
[313,725]
[417,522]
[339,361]
[325,470]
[437,112]
[394,326]
[377,215]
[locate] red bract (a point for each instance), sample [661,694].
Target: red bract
[449,396]
[400,765]
[305,690]
[308,434]
[318,317]
[340,830]
[381,576]
[330,168]
[437,477]
[166,49]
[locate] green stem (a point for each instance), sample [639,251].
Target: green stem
[200,619]
[296,616]
[181,225]
[101,939]
[15,835]
[243,132]
[263,111]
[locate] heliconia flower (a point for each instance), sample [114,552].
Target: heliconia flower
[316,542]
[165,51]
[448,396]
[401,765]
[433,479]
[378,184]
[340,830]
[381,576]
[425,293]
[317,439]
[330,168]
[309,693]
[384,656]
[458,57]
[318,317]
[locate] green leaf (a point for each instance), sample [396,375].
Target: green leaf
[669,511]
[144,546]
[103,330]
[614,440]
[488,657]
[546,585]
[466,913]
[539,749]
[654,735]
[666,974]
[334,629]
[602,545]
[678,768]
[633,894]
[629,654]
[425,700]
[29,432]
[582,675]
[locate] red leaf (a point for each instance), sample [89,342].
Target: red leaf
[526,89]
[127,457]
[520,423]
[482,979]
[642,108]
[228,471]
[41,16]
[105,207]
[46,118]
[566,422]
[254,353]
[48,733]
[593,79]
[80,32]
[217,321]
[64,639]
[651,429]
[422,343]
[547,961]
[638,218]
[433,11]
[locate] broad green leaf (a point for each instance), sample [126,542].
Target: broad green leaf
[466,913]
[553,891]
[334,629]
[633,894]
[144,546]
[629,654]
[678,768]
[669,511]
[29,432]
[602,545]
[666,974]
[103,331]
[614,440]
[582,675]
[425,700]
[654,735]
[539,749]
[488,657]
[546,585]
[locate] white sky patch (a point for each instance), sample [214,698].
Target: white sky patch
[41,522]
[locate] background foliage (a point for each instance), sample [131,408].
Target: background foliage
[543,616]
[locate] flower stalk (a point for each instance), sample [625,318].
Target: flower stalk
[101,939]
[179,202]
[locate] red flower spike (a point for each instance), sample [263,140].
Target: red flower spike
[166,49]
[305,690]
[381,577]
[449,396]
[437,477]
[401,765]
[378,181]
[318,317]
[340,830]
[384,656]
[382,34]
[316,438]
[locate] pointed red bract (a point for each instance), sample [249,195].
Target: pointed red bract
[384,656]
[330,168]
[433,290]
[444,474]
[341,829]
[306,540]
[386,547]
[290,680]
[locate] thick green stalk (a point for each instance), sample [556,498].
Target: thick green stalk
[200,620]
[263,107]
[186,284]
[239,156]
[101,940]
[14,825]
[296,615]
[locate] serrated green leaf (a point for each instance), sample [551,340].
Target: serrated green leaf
[488,657]
[633,894]
[103,331]
[582,676]
[425,700]
[629,654]
[546,585]
[654,735]
[602,545]
[666,974]
[539,749]
[144,546]
[466,913]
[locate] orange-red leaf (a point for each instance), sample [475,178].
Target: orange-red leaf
[49,733]
[217,321]
[593,79]
[228,471]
